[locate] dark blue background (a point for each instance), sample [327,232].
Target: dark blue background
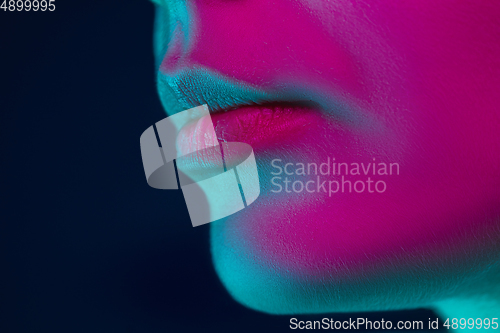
[86,245]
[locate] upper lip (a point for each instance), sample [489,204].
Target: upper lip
[198,86]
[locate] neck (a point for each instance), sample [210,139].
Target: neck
[478,299]
[474,307]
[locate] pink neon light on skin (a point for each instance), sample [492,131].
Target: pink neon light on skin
[420,82]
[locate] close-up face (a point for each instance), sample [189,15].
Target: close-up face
[375,128]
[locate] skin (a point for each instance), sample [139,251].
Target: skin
[408,82]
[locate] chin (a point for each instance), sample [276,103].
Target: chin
[292,254]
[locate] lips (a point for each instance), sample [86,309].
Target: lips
[260,126]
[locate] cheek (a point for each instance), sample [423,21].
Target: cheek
[431,73]
[452,83]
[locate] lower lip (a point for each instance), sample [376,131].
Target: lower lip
[259,126]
